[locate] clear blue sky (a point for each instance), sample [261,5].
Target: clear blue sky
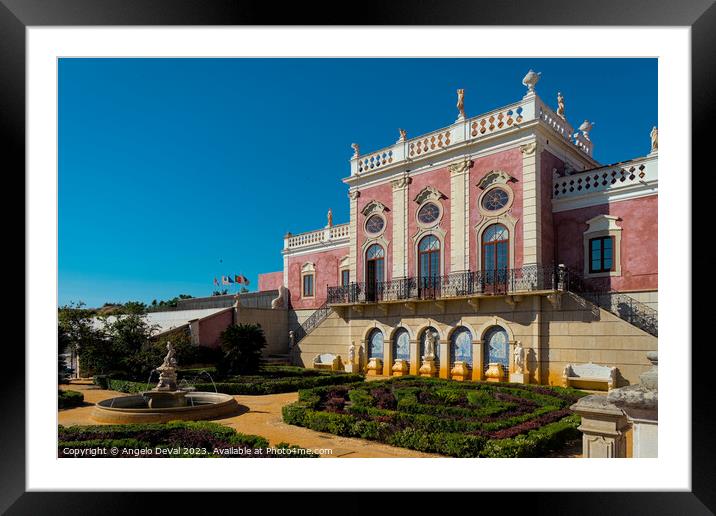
[167,166]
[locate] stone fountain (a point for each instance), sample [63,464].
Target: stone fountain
[166,402]
[166,394]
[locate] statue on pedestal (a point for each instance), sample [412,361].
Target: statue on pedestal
[431,341]
[356,150]
[519,357]
[351,353]
[329,216]
[403,135]
[461,104]
[291,339]
[560,104]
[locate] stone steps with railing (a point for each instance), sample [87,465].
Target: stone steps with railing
[312,322]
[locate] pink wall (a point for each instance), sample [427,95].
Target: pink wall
[509,161]
[326,264]
[548,162]
[639,250]
[270,281]
[384,194]
[210,327]
[439,179]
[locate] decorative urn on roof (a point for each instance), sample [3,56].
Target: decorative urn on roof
[530,80]
[585,128]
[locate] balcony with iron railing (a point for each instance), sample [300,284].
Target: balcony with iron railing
[456,285]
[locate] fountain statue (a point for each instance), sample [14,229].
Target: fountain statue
[167,401]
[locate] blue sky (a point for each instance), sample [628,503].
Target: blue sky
[176,171]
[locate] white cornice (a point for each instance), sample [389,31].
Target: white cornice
[626,193]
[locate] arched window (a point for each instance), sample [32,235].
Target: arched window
[375,344]
[429,333]
[461,346]
[497,347]
[374,271]
[428,263]
[495,254]
[401,345]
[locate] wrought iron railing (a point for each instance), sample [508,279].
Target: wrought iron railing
[487,282]
[622,305]
[498,282]
[312,322]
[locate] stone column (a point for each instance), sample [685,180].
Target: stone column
[414,357]
[531,204]
[459,216]
[603,427]
[400,227]
[444,354]
[387,356]
[353,232]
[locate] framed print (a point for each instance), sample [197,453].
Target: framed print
[471,303]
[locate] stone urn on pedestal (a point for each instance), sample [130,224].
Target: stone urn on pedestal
[428,367]
[400,367]
[374,367]
[495,372]
[460,371]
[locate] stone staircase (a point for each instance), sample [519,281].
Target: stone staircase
[313,321]
[622,305]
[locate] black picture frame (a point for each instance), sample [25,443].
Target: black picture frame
[700,15]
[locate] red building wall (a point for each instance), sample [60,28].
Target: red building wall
[509,161]
[639,244]
[548,162]
[210,327]
[270,281]
[326,264]
[440,180]
[384,194]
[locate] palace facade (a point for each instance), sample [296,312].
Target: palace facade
[495,248]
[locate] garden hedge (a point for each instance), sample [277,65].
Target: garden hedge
[271,380]
[69,399]
[466,419]
[173,439]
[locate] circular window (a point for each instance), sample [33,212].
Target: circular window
[495,199]
[428,213]
[375,224]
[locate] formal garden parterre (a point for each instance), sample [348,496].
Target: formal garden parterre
[176,439]
[471,419]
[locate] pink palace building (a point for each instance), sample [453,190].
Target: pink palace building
[496,248]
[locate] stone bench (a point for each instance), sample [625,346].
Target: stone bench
[589,373]
[328,361]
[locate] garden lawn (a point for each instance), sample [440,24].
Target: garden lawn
[458,419]
[174,439]
[269,380]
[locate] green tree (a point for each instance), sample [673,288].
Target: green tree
[242,345]
[136,355]
[77,332]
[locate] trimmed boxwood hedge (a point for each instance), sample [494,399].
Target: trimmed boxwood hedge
[69,399]
[466,419]
[271,380]
[182,438]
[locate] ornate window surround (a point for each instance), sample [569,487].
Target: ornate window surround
[438,233]
[602,226]
[343,265]
[308,269]
[429,194]
[381,241]
[365,225]
[507,220]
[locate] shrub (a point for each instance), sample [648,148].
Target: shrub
[242,346]
[69,399]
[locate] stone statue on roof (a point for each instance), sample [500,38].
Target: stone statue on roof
[560,104]
[654,139]
[461,104]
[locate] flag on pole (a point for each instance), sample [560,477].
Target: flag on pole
[245,280]
[224,280]
[216,282]
[237,278]
[229,279]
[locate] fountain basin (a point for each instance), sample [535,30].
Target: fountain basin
[165,399]
[136,409]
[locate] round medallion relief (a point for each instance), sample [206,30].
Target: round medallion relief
[374,224]
[495,199]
